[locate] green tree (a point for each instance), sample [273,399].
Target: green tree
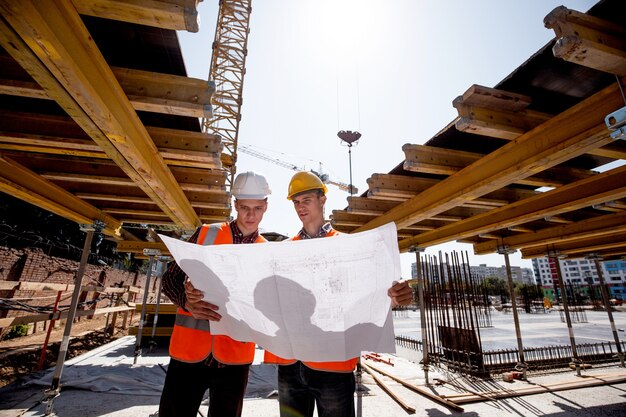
[495,286]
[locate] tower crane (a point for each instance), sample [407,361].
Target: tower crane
[322,176]
[228,68]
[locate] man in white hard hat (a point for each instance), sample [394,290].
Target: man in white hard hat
[200,360]
[328,385]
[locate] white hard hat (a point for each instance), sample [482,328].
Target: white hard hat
[250,186]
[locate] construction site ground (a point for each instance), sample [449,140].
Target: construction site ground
[104,382]
[19,356]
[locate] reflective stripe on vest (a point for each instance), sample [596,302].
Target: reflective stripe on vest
[191,339]
[192,323]
[341,366]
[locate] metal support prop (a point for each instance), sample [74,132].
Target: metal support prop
[151,253]
[575,360]
[54,389]
[420,295]
[607,305]
[521,365]
[161,262]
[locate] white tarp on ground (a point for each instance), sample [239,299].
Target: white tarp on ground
[110,369]
[314,300]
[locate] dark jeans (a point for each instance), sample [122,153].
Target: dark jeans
[186,383]
[300,388]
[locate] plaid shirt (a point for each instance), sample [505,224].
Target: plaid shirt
[323,232]
[173,281]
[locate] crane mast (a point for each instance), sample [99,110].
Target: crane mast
[228,68]
[227,71]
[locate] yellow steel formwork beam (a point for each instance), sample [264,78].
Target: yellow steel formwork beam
[26,185]
[166,14]
[63,54]
[596,226]
[606,186]
[570,134]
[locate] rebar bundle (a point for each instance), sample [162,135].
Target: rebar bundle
[456,307]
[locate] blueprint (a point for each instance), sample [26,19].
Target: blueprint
[312,300]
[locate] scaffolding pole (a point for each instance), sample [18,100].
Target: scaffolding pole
[151,253]
[521,365]
[575,360]
[55,386]
[420,295]
[607,305]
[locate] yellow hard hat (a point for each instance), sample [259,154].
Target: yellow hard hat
[305,181]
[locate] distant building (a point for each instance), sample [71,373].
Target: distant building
[521,275]
[582,272]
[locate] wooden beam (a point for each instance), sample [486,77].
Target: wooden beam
[134,212]
[408,408]
[597,226]
[497,123]
[402,188]
[570,134]
[213,205]
[59,315]
[345,218]
[122,181]
[602,187]
[115,198]
[491,98]
[443,161]
[45,286]
[368,206]
[147,91]
[584,382]
[166,93]
[129,246]
[61,135]
[520,229]
[166,14]
[557,219]
[28,89]
[19,181]
[61,50]
[422,391]
[481,113]
[588,40]
[89,149]
[185,140]
[579,247]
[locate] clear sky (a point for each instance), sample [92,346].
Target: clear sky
[387,68]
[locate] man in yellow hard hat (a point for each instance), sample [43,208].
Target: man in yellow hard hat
[329,385]
[200,360]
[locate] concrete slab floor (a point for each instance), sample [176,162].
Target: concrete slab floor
[608,400]
[597,401]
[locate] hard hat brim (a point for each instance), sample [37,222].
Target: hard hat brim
[250,197]
[323,190]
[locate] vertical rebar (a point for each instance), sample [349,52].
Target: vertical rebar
[607,305]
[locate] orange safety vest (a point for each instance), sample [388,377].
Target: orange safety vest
[191,339]
[340,366]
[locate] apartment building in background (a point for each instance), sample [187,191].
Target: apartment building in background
[582,273]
